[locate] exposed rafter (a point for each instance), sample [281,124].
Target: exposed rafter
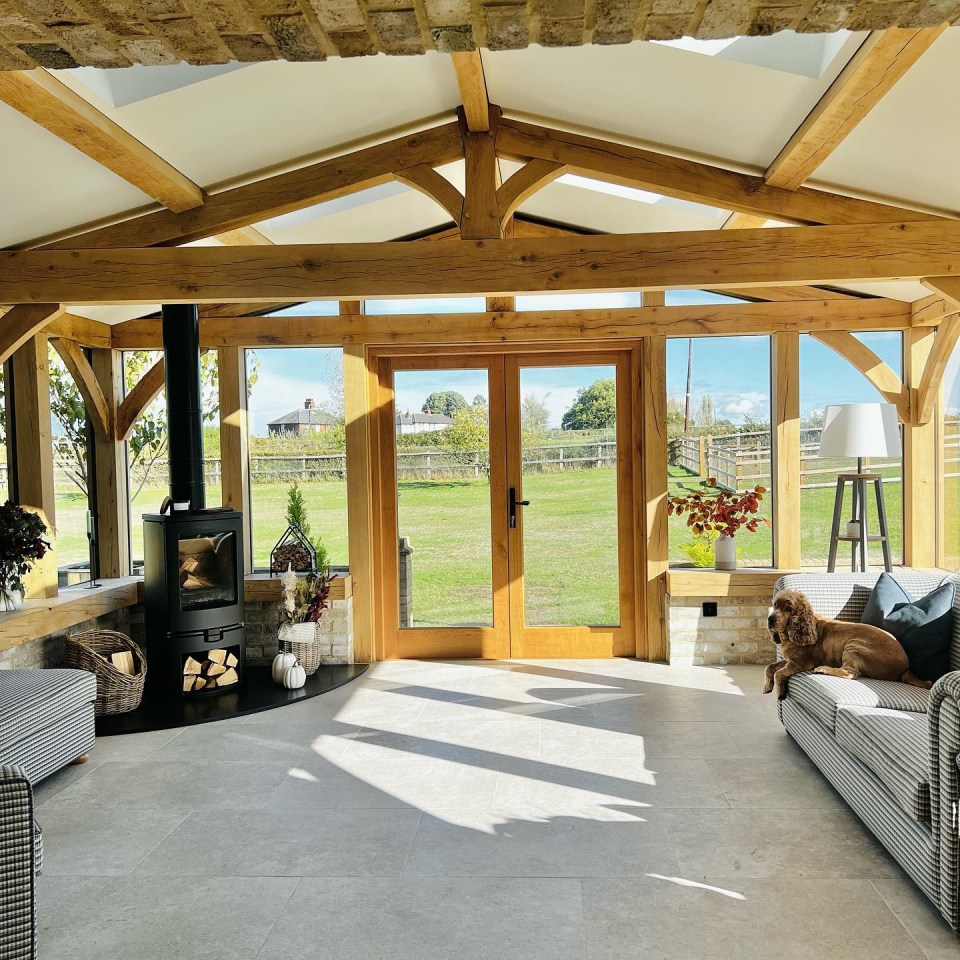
[881,61]
[56,107]
[94,402]
[473,89]
[244,237]
[691,180]
[696,259]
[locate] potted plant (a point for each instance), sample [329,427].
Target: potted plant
[720,512]
[300,608]
[21,543]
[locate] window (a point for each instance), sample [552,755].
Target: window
[297,438]
[148,469]
[71,473]
[577,301]
[431,305]
[826,378]
[950,452]
[718,426]
[314,308]
[5,462]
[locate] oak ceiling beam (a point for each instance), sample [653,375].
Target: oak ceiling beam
[259,200]
[22,322]
[692,180]
[880,375]
[946,287]
[481,219]
[881,61]
[53,105]
[82,330]
[94,402]
[525,326]
[468,67]
[711,259]
[244,237]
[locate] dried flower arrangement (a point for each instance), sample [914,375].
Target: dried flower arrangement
[304,598]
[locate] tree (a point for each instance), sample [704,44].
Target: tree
[479,400]
[534,416]
[468,437]
[595,407]
[297,517]
[446,402]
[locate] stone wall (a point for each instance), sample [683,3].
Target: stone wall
[336,628]
[738,634]
[48,651]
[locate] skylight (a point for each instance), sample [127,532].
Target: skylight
[613,189]
[709,48]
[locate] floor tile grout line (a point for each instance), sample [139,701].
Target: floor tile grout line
[896,916]
[283,910]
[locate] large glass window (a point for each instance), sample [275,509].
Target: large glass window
[426,305]
[297,448]
[71,474]
[148,470]
[826,378]
[950,446]
[5,462]
[718,427]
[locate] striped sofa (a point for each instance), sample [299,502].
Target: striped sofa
[46,722]
[891,750]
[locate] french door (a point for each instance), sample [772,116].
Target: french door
[506,492]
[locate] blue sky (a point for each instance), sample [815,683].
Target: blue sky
[735,371]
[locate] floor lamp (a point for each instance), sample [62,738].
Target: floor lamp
[860,430]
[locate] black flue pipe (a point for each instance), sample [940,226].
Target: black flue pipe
[181,354]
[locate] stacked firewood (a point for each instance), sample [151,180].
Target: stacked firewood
[219,669]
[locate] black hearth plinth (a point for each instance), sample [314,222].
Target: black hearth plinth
[257,693]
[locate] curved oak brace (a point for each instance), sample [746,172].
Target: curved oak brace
[98,410]
[530,178]
[948,334]
[439,189]
[879,374]
[21,322]
[139,398]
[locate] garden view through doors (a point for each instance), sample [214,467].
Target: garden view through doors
[507,505]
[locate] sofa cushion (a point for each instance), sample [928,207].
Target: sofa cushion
[31,700]
[894,744]
[923,627]
[821,695]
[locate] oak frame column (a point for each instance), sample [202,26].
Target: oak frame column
[111,496]
[359,430]
[785,443]
[34,453]
[653,445]
[919,459]
[234,442]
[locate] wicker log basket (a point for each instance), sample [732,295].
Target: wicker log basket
[117,692]
[300,639]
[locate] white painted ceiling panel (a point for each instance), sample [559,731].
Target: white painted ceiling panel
[908,145]
[47,186]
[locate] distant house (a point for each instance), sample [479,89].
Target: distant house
[421,422]
[308,419]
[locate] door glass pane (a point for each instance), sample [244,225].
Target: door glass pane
[441,426]
[569,468]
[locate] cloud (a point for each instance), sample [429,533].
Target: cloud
[744,405]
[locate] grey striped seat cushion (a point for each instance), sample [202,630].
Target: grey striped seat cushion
[821,695]
[31,700]
[895,745]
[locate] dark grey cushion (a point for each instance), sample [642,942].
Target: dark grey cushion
[922,626]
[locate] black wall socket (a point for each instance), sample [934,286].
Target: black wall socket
[710,608]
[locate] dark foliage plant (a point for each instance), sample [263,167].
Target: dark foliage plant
[22,541]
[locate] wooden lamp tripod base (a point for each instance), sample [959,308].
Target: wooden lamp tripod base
[858,544]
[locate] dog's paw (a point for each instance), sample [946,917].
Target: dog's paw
[781,691]
[768,687]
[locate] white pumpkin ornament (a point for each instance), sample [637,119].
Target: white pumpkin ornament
[282,662]
[295,677]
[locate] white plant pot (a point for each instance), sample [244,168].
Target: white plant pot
[725,553]
[10,599]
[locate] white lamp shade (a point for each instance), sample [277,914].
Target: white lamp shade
[860,430]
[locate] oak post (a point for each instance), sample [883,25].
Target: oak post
[34,453]
[785,449]
[112,494]
[919,454]
[234,444]
[359,427]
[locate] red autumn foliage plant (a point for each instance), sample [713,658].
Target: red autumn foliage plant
[722,512]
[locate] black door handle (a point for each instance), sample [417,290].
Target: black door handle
[514,503]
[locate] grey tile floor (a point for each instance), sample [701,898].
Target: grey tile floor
[594,810]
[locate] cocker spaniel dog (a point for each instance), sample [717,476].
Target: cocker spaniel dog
[835,647]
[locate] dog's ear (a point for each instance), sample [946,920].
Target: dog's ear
[801,627]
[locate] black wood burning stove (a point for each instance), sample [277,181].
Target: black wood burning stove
[193,556]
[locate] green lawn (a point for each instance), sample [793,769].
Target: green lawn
[570,538]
